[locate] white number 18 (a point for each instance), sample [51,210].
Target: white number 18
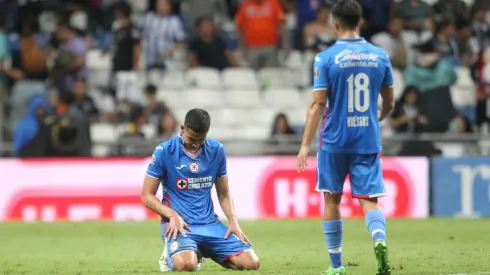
[358,87]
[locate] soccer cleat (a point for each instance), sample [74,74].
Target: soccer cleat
[381,253]
[163,261]
[335,271]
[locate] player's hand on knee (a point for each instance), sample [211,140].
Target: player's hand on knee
[176,225]
[234,228]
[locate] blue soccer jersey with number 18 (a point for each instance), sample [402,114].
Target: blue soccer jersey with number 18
[354,72]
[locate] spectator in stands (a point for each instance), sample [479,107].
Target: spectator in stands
[260,23]
[163,34]
[137,119]
[454,9]
[319,34]
[282,132]
[29,126]
[4,52]
[483,92]
[480,27]
[407,117]
[415,14]
[126,40]
[444,39]
[207,49]
[460,124]
[155,109]
[70,59]
[392,42]
[83,104]
[215,10]
[377,14]
[167,126]
[431,70]
[464,51]
[28,71]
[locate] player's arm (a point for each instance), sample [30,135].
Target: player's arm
[225,199]
[149,199]
[387,92]
[318,100]
[314,115]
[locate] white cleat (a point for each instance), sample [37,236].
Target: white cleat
[163,261]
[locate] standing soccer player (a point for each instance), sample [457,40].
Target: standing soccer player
[350,74]
[188,166]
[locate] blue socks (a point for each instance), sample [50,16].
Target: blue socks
[333,235]
[376,224]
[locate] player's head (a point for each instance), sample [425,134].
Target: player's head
[122,11]
[195,128]
[347,15]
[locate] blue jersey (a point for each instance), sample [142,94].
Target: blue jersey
[354,72]
[187,179]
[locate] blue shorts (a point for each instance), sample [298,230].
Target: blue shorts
[366,175]
[208,240]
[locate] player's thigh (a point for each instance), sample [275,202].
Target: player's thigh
[332,169]
[182,251]
[219,249]
[366,176]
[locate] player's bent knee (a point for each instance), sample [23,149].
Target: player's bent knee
[245,261]
[185,261]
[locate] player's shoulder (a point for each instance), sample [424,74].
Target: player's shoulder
[377,50]
[213,144]
[325,55]
[169,146]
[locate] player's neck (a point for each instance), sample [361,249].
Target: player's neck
[349,35]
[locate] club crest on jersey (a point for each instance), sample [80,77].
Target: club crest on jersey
[194,167]
[182,184]
[152,159]
[316,72]
[174,246]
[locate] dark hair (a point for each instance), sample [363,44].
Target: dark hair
[406,92]
[324,7]
[197,120]
[289,129]
[462,23]
[136,113]
[201,20]
[348,13]
[150,89]
[124,8]
[442,24]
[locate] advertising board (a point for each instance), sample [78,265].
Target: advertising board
[263,187]
[461,187]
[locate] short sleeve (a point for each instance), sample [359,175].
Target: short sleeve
[222,165]
[240,16]
[320,74]
[388,78]
[156,168]
[279,13]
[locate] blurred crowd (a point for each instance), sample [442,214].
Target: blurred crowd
[44,47]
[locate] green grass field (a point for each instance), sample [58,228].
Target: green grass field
[435,246]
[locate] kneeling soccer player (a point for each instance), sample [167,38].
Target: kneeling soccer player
[187,166]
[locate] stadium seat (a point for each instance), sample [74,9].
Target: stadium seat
[399,83]
[294,60]
[149,130]
[463,92]
[139,5]
[263,116]
[154,76]
[276,78]
[255,133]
[172,80]
[203,78]
[102,133]
[170,97]
[296,116]
[129,85]
[96,60]
[202,98]
[239,78]
[226,117]
[282,98]
[243,98]
[223,133]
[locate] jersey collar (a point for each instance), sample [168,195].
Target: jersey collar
[191,155]
[359,40]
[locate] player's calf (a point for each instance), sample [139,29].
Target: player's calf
[244,261]
[185,261]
